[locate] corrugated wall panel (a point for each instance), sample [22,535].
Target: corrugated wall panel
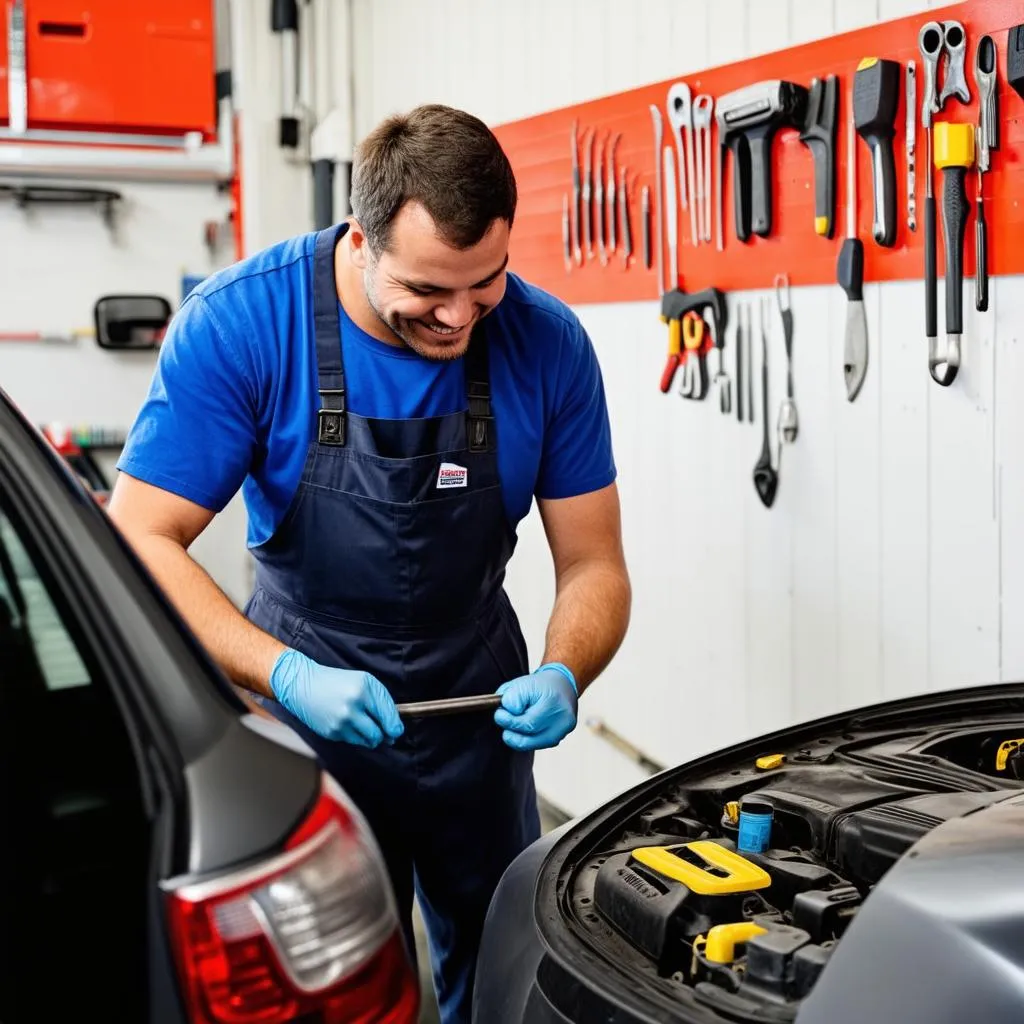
[891,561]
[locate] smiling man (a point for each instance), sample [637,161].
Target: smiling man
[390,399]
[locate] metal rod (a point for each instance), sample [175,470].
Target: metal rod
[449,706]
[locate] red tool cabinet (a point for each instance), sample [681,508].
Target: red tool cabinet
[121,66]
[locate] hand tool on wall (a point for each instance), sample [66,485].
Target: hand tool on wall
[656,119]
[748,120]
[703,111]
[694,373]
[674,358]
[766,480]
[876,94]
[954,155]
[850,273]
[599,200]
[566,248]
[911,145]
[588,195]
[611,196]
[709,303]
[576,196]
[719,152]
[987,139]
[671,216]
[788,421]
[740,369]
[720,382]
[645,232]
[929,43]
[679,106]
[1015,59]
[748,358]
[624,227]
[680,113]
[955,79]
[818,133]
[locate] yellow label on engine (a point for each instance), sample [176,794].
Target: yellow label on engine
[720,872]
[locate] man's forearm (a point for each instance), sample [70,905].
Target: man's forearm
[244,651]
[589,619]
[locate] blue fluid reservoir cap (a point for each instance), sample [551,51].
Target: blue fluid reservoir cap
[755,826]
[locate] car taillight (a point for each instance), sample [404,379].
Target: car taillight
[311,933]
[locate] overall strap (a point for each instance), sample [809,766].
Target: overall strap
[480,427]
[330,371]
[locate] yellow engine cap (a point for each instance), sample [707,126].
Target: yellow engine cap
[721,942]
[954,144]
[1006,748]
[770,761]
[740,874]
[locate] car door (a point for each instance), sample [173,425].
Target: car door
[75,853]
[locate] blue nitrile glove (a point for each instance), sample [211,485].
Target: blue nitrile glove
[337,703]
[538,710]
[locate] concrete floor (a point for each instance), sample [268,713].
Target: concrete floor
[550,818]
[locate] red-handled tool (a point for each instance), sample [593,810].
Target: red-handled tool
[674,355]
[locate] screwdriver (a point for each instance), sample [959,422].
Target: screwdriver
[850,272]
[876,94]
[954,154]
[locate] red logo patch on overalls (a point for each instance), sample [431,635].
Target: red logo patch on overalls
[450,475]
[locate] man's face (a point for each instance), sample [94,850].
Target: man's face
[429,294]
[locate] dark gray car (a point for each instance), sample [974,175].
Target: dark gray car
[166,856]
[862,867]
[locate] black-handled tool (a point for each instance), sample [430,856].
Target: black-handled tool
[819,135]
[954,154]
[766,479]
[980,255]
[747,122]
[876,93]
[986,140]
[1015,59]
[677,303]
[850,274]
[449,706]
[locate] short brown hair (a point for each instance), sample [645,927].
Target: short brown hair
[445,159]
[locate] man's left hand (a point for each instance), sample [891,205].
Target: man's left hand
[537,710]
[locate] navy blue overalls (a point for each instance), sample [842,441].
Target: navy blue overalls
[378,568]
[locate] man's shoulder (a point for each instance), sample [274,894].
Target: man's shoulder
[537,313]
[266,268]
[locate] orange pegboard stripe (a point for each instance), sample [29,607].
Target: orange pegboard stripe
[540,151]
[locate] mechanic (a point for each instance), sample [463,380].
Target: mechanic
[390,399]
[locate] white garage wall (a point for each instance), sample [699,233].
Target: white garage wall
[56,261]
[888,564]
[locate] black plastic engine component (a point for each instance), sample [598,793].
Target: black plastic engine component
[660,915]
[791,873]
[808,963]
[825,913]
[770,958]
[867,843]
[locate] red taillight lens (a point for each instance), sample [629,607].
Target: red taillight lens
[312,933]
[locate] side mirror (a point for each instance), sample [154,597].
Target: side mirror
[131,321]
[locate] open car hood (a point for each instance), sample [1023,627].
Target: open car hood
[665,905]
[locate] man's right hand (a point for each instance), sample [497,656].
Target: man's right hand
[336,703]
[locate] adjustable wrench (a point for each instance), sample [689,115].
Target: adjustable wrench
[680,109]
[703,107]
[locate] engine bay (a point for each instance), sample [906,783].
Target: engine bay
[734,888]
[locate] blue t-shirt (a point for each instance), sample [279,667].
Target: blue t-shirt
[233,398]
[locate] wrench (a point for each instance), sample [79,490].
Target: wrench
[955,83]
[610,192]
[656,118]
[680,113]
[703,108]
[988,119]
